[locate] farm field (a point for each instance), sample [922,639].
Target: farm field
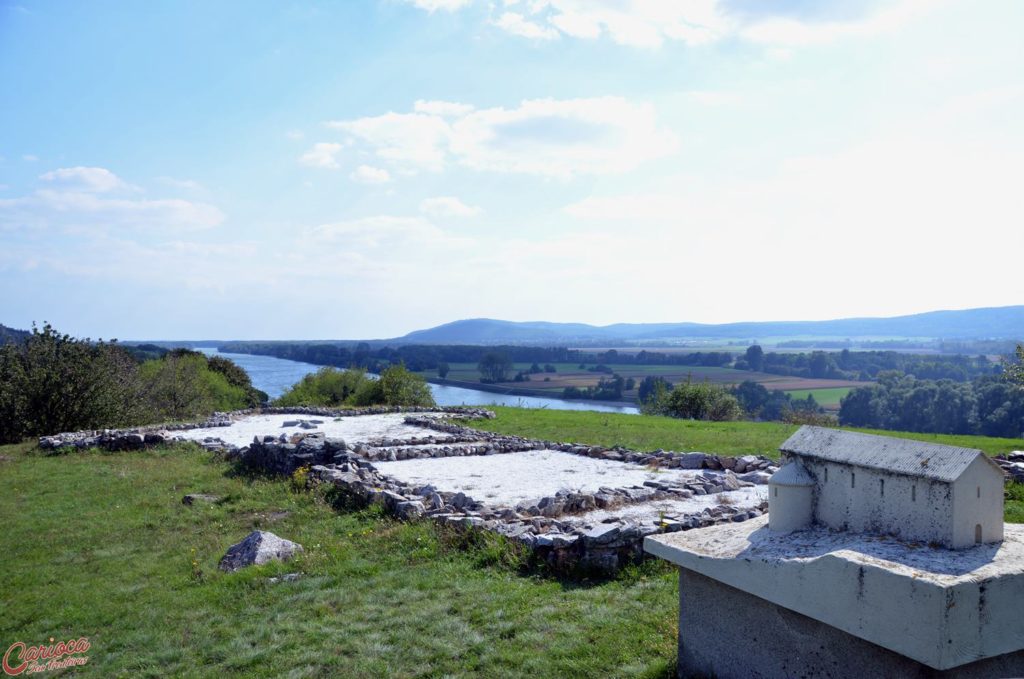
[650,432]
[826,398]
[571,375]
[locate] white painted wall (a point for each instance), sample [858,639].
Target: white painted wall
[790,508]
[978,501]
[853,499]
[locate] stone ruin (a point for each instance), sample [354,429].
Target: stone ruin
[599,527]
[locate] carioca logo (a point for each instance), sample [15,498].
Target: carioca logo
[30,656]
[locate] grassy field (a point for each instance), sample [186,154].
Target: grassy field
[644,432]
[99,545]
[571,375]
[826,398]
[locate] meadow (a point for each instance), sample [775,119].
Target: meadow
[571,375]
[100,545]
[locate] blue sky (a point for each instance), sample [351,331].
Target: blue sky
[362,169]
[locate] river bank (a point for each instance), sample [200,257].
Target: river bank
[275,375]
[517,391]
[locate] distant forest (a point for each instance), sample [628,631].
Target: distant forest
[849,365]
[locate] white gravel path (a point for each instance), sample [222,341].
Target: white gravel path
[355,429]
[744,498]
[507,479]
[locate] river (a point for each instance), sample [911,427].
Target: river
[274,376]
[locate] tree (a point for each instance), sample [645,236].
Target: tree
[652,389]
[754,357]
[182,386]
[702,401]
[403,388]
[818,363]
[328,387]
[237,377]
[752,396]
[53,383]
[494,366]
[442,370]
[1015,368]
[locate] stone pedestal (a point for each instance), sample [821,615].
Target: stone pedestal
[726,633]
[823,604]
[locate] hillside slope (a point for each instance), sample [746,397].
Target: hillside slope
[983,323]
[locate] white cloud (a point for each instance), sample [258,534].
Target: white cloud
[367,174]
[322,155]
[548,137]
[650,23]
[295,135]
[444,109]
[447,206]
[517,24]
[85,179]
[78,199]
[29,158]
[373,232]
[408,139]
[434,5]
[185,184]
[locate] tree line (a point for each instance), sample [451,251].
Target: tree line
[845,364]
[865,365]
[52,382]
[990,406]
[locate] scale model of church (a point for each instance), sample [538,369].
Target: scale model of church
[916,491]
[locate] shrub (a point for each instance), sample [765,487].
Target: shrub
[181,386]
[396,386]
[701,401]
[326,387]
[403,388]
[53,383]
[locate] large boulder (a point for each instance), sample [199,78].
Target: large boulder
[257,548]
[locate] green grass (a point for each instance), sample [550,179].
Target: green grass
[1014,508]
[827,398]
[99,545]
[645,432]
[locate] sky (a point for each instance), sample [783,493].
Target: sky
[361,169]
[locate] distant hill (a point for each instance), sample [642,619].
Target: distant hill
[8,335]
[986,323]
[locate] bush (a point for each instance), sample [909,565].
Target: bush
[326,387]
[182,385]
[403,388]
[396,386]
[53,383]
[702,401]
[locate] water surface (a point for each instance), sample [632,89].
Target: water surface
[275,375]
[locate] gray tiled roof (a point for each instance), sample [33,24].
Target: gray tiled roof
[900,456]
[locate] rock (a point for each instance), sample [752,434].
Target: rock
[257,548]
[409,510]
[729,481]
[745,462]
[602,534]
[756,477]
[193,498]
[691,460]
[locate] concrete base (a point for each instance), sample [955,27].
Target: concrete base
[941,608]
[725,632]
